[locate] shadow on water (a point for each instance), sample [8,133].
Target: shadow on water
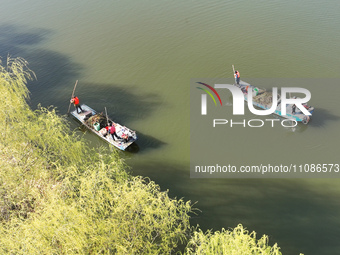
[148,142]
[296,215]
[53,70]
[56,73]
[322,117]
[124,103]
[13,38]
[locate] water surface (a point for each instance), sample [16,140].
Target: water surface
[137,59]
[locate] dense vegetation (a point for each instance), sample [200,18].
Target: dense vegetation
[57,196]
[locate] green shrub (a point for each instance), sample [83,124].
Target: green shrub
[235,242]
[57,196]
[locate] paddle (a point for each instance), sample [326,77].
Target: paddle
[75,85]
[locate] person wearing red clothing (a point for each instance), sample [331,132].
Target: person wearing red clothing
[237,77]
[75,101]
[113,132]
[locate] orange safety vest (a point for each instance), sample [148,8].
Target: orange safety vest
[237,74]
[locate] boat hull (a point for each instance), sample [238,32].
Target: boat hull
[297,115]
[121,131]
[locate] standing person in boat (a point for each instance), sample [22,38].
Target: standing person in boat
[237,77]
[294,106]
[113,132]
[75,101]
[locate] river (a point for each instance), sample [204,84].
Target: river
[137,58]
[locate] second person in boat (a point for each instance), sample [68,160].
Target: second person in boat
[112,131]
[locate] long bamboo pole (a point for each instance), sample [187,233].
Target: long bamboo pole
[107,118]
[74,89]
[234,72]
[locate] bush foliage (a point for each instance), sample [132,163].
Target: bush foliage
[57,196]
[236,241]
[60,197]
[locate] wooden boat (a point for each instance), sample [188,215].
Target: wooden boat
[97,123]
[263,99]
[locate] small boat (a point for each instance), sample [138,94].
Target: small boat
[263,99]
[98,123]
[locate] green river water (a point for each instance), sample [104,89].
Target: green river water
[137,58]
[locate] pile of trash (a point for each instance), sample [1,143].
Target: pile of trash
[98,119]
[265,98]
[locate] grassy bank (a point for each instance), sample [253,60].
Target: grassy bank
[58,196]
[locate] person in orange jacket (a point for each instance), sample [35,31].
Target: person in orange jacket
[237,77]
[75,101]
